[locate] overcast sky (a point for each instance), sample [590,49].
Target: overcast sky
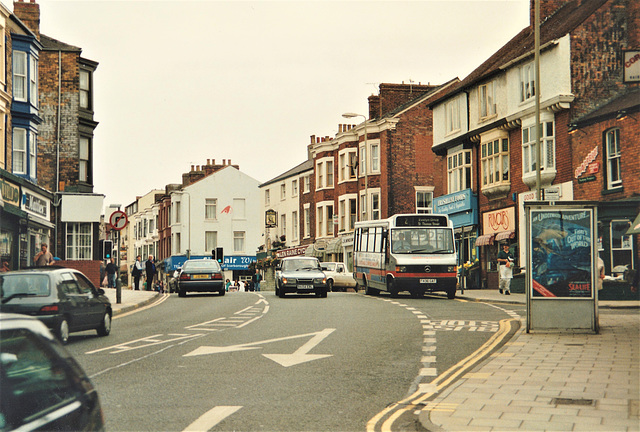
[180,82]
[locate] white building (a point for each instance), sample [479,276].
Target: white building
[221,210]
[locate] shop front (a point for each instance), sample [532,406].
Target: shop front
[498,227]
[462,209]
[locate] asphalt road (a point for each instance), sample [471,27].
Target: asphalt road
[253,361]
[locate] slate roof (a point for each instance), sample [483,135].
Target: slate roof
[566,19]
[629,102]
[304,166]
[51,44]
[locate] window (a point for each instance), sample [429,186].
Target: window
[353,213]
[375,206]
[85,89]
[79,244]
[613,154]
[20,76]
[19,151]
[452,116]
[320,221]
[307,183]
[267,197]
[329,219]
[32,154]
[176,243]
[83,164]
[210,240]
[238,241]
[177,209]
[283,224]
[486,98]
[319,175]
[294,226]
[342,214]
[33,80]
[527,82]
[375,158]
[363,207]
[424,202]
[307,222]
[294,188]
[329,171]
[621,244]
[547,142]
[210,208]
[495,162]
[283,191]
[363,159]
[343,169]
[459,171]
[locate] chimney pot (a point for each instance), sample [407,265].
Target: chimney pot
[208,161]
[192,167]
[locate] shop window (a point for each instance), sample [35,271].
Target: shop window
[621,244]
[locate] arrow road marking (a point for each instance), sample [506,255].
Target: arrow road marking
[298,356]
[211,418]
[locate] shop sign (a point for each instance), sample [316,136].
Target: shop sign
[632,66]
[499,221]
[270,218]
[35,204]
[586,179]
[10,193]
[582,168]
[294,251]
[237,262]
[453,203]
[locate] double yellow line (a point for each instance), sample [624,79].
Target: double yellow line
[394,411]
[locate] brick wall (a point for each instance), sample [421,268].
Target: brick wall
[91,269]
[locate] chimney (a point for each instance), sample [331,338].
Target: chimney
[313,138]
[29,14]
[208,161]
[339,128]
[192,167]
[374,106]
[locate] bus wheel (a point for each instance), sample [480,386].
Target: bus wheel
[392,289]
[451,294]
[367,289]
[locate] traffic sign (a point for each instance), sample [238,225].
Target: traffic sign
[118,220]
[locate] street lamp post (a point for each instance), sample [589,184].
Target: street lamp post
[366,167]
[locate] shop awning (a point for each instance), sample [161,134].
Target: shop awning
[504,235]
[484,240]
[635,227]
[334,246]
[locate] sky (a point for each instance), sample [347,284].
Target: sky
[180,82]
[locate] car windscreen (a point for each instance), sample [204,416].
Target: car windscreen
[298,264]
[32,285]
[209,265]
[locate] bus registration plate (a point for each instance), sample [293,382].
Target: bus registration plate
[427,281]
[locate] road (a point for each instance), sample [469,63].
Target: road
[253,361]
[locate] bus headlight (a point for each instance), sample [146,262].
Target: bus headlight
[452,269]
[401,269]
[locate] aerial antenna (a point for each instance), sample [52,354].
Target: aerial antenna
[374,84]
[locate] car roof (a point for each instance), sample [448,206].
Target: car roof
[10,321]
[42,269]
[298,257]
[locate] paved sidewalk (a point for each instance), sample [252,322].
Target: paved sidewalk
[552,381]
[130,299]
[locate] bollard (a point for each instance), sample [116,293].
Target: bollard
[118,291]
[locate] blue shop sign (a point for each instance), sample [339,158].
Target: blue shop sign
[462,207]
[175,262]
[237,262]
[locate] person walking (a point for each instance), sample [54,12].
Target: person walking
[111,273]
[136,272]
[505,265]
[150,269]
[257,277]
[44,257]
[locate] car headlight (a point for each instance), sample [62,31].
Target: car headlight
[401,269]
[320,280]
[288,280]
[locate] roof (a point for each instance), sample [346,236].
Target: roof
[562,22]
[628,102]
[304,166]
[51,44]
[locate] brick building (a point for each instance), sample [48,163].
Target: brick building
[485,130]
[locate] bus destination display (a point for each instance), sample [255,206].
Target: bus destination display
[422,221]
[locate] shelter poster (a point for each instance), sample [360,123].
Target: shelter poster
[561,253]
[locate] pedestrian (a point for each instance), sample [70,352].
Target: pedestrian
[5,266]
[103,272]
[44,257]
[241,286]
[136,272]
[150,269]
[257,277]
[600,273]
[505,266]
[227,285]
[111,270]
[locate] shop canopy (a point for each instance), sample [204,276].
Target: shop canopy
[504,235]
[635,226]
[485,240]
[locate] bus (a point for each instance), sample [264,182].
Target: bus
[406,252]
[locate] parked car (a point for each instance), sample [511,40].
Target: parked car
[64,299]
[302,275]
[200,275]
[338,278]
[42,387]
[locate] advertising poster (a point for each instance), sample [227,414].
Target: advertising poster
[561,253]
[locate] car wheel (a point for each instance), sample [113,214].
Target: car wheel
[222,292]
[357,287]
[62,331]
[105,326]
[182,293]
[324,293]
[280,293]
[330,284]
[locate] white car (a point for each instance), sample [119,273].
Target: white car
[338,277]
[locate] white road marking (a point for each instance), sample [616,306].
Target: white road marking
[211,418]
[144,342]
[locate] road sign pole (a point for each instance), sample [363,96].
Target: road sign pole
[118,280]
